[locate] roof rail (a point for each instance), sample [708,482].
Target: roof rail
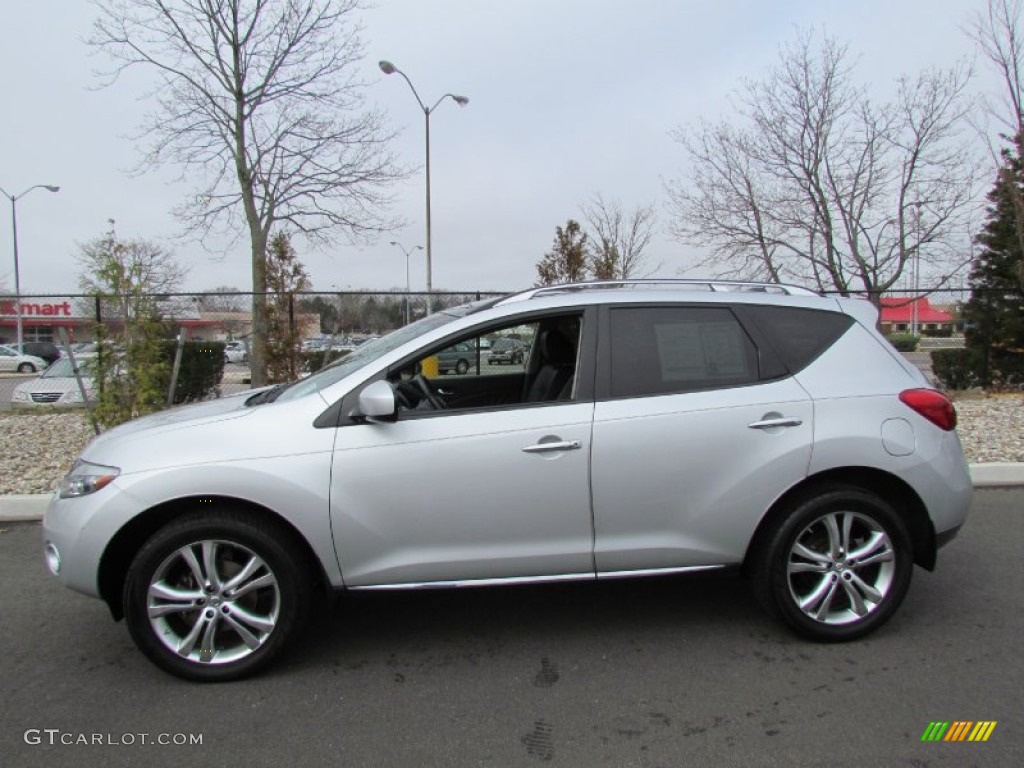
[707,285]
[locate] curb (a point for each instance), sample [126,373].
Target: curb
[30,507]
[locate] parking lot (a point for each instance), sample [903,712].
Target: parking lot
[670,672]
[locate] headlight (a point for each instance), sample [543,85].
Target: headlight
[72,396]
[20,396]
[85,478]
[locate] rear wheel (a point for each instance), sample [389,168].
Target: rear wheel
[461,367]
[215,596]
[837,566]
[26,368]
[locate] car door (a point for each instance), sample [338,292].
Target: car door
[484,493]
[691,443]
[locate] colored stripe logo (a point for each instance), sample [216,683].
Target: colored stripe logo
[959,730]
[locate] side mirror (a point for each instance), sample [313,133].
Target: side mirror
[377,401]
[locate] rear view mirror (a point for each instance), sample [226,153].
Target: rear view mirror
[377,401]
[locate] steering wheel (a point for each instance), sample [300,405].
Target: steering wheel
[432,397]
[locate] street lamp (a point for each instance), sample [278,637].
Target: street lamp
[14,230]
[407,288]
[389,69]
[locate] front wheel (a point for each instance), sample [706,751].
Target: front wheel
[462,367]
[836,567]
[215,596]
[26,368]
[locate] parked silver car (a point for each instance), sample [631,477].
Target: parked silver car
[654,431]
[57,386]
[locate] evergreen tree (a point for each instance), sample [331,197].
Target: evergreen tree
[285,277]
[566,262]
[995,311]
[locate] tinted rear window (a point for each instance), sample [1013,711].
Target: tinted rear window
[663,350]
[799,335]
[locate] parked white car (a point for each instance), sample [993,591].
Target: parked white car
[11,360]
[236,352]
[57,386]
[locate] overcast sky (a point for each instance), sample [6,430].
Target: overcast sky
[568,98]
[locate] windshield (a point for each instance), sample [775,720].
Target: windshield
[61,369]
[377,348]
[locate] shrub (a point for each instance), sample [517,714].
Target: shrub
[938,333]
[202,366]
[956,368]
[904,342]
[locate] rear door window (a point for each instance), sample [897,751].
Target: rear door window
[666,350]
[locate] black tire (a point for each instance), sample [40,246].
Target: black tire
[462,367]
[278,610]
[823,598]
[26,368]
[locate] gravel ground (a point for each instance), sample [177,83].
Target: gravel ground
[39,448]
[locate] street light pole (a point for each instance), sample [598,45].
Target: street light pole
[408,289]
[14,231]
[389,69]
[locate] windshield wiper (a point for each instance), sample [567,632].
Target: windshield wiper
[267,395]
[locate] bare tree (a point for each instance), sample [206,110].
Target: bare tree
[1000,38]
[815,184]
[130,276]
[618,240]
[223,298]
[260,102]
[999,35]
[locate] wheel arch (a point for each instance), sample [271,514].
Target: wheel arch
[119,553]
[889,487]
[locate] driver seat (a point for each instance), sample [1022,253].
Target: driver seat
[558,364]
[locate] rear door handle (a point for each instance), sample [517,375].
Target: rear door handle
[782,421]
[564,445]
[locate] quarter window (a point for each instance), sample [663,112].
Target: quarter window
[665,350]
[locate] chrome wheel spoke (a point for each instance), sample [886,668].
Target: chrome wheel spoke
[266,580]
[847,525]
[826,603]
[834,536]
[868,591]
[189,641]
[262,623]
[856,601]
[164,591]
[809,554]
[802,567]
[882,557]
[193,565]
[253,565]
[210,563]
[248,637]
[877,541]
[816,595]
[208,648]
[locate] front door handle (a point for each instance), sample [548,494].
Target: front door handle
[563,445]
[781,421]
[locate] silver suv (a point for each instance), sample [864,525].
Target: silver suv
[654,428]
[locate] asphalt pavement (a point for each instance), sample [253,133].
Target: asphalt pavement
[662,672]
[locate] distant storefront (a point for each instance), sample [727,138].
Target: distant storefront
[42,319]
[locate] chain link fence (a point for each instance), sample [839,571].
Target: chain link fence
[324,325]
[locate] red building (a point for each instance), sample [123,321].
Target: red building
[899,313]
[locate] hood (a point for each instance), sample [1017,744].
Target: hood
[165,422]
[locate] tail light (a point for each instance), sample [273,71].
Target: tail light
[933,405]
